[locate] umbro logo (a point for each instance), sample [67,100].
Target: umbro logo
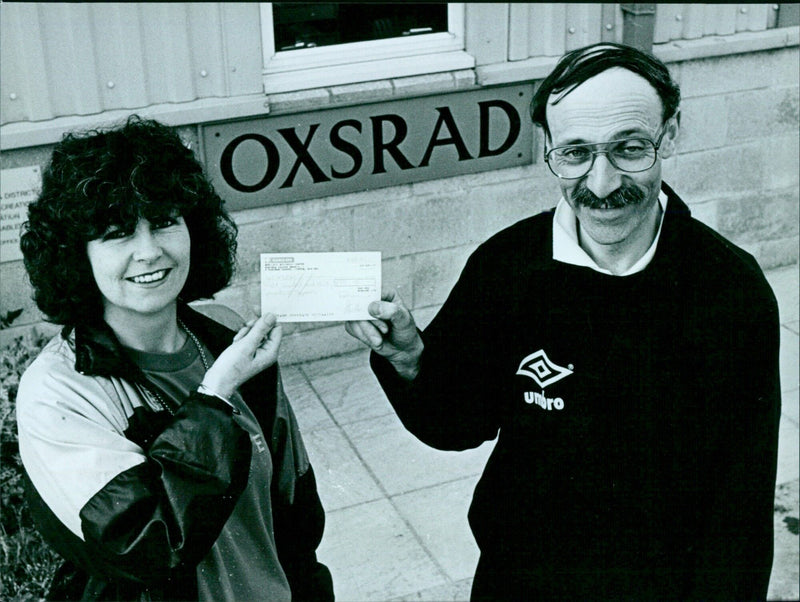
[540,368]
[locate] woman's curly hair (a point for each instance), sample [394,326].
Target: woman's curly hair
[98,179]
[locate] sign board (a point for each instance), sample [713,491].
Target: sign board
[18,187]
[279,159]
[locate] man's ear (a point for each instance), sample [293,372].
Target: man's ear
[670,139]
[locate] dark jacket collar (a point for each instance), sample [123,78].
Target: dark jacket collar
[675,206]
[98,352]
[671,254]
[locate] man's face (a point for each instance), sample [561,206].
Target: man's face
[612,206]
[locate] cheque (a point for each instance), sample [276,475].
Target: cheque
[320,287]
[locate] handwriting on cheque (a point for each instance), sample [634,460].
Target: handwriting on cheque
[320,287]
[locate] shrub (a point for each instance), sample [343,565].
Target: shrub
[27,564]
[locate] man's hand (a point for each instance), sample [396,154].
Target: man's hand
[393,334]
[254,348]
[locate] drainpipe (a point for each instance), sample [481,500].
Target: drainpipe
[638,25]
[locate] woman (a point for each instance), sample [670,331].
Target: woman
[163,456]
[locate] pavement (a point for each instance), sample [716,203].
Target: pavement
[397,509]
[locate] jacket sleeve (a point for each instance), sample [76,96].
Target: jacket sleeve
[140,515]
[452,403]
[735,550]
[298,516]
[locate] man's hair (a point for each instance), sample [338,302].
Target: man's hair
[97,179]
[578,65]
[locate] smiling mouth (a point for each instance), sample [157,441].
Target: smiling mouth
[606,206]
[150,277]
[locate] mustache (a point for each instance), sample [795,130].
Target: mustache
[626,194]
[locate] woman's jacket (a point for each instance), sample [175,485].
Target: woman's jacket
[150,490]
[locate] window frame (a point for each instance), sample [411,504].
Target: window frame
[323,66]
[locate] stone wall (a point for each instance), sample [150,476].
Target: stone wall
[739,154]
[738,166]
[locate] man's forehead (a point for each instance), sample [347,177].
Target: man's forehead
[616,99]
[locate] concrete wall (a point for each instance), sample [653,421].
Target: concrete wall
[738,167]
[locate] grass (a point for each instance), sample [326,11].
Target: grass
[27,564]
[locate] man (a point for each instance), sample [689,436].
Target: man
[626,354]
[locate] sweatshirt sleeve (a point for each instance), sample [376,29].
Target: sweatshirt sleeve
[735,550]
[454,401]
[132,514]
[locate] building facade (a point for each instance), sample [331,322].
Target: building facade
[329,130]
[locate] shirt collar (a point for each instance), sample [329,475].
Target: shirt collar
[567,250]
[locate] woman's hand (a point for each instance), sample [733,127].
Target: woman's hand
[254,348]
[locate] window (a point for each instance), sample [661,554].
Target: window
[324,24]
[325,44]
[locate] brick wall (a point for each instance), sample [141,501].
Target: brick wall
[738,167]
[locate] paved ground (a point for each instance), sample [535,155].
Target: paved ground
[397,527]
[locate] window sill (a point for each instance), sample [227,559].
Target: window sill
[280,81]
[381,90]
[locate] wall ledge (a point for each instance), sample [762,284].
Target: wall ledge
[38,133]
[714,46]
[538,68]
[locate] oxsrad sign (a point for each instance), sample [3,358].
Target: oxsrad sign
[294,157]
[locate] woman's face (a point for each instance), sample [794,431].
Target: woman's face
[141,271]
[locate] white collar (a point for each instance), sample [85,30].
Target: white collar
[566,248]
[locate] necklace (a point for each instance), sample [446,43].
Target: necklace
[203,359]
[196,344]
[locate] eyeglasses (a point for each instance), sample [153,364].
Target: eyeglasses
[630,155]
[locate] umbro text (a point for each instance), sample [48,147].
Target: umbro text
[546,403]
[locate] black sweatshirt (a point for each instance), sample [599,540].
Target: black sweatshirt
[637,416]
